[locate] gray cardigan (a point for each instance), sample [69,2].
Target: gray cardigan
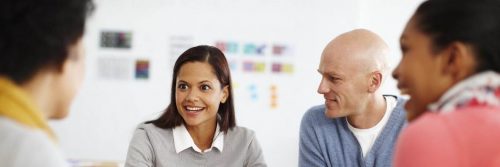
[154,147]
[328,142]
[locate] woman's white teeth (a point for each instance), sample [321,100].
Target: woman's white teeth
[194,108]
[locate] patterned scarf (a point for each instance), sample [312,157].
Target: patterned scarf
[482,89]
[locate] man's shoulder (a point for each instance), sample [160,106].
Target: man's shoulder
[399,100]
[317,109]
[400,103]
[315,112]
[316,115]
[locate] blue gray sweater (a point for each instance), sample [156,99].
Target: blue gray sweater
[326,142]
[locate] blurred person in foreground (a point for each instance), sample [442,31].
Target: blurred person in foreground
[41,69]
[450,69]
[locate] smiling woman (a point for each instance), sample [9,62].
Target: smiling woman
[198,127]
[451,70]
[198,96]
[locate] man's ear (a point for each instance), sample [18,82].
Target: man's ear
[458,61]
[225,94]
[375,81]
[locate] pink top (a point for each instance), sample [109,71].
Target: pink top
[468,136]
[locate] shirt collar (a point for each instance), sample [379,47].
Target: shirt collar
[182,140]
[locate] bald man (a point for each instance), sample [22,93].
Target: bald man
[356,125]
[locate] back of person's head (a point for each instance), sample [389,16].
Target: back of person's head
[219,64]
[35,35]
[473,22]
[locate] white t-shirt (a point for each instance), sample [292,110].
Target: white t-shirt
[21,146]
[366,137]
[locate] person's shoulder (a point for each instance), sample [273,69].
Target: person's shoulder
[317,108]
[241,132]
[149,129]
[144,126]
[425,123]
[315,119]
[399,109]
[417,133]
[315,112]
[17,133]
[473,115]
[434,122]
[414,144]
[239,137]
[30,145]
[400,101]
[9,128]
[467,123]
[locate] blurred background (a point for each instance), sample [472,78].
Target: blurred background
[273,47]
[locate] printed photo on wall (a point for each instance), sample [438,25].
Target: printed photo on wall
[116,39]
[114,68]
[177,44]
[142,69]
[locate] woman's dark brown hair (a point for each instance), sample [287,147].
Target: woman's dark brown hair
[213,56]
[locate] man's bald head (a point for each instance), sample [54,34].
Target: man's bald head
[360,50]
[352,69]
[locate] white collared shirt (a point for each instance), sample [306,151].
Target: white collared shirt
[183,140]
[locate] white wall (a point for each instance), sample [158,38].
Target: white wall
[106,111]
[388,19]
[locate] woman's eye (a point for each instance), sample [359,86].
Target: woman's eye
[205,87]
[182,86]
[404,49]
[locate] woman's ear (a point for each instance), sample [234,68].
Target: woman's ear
[459,61]
[225,94]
